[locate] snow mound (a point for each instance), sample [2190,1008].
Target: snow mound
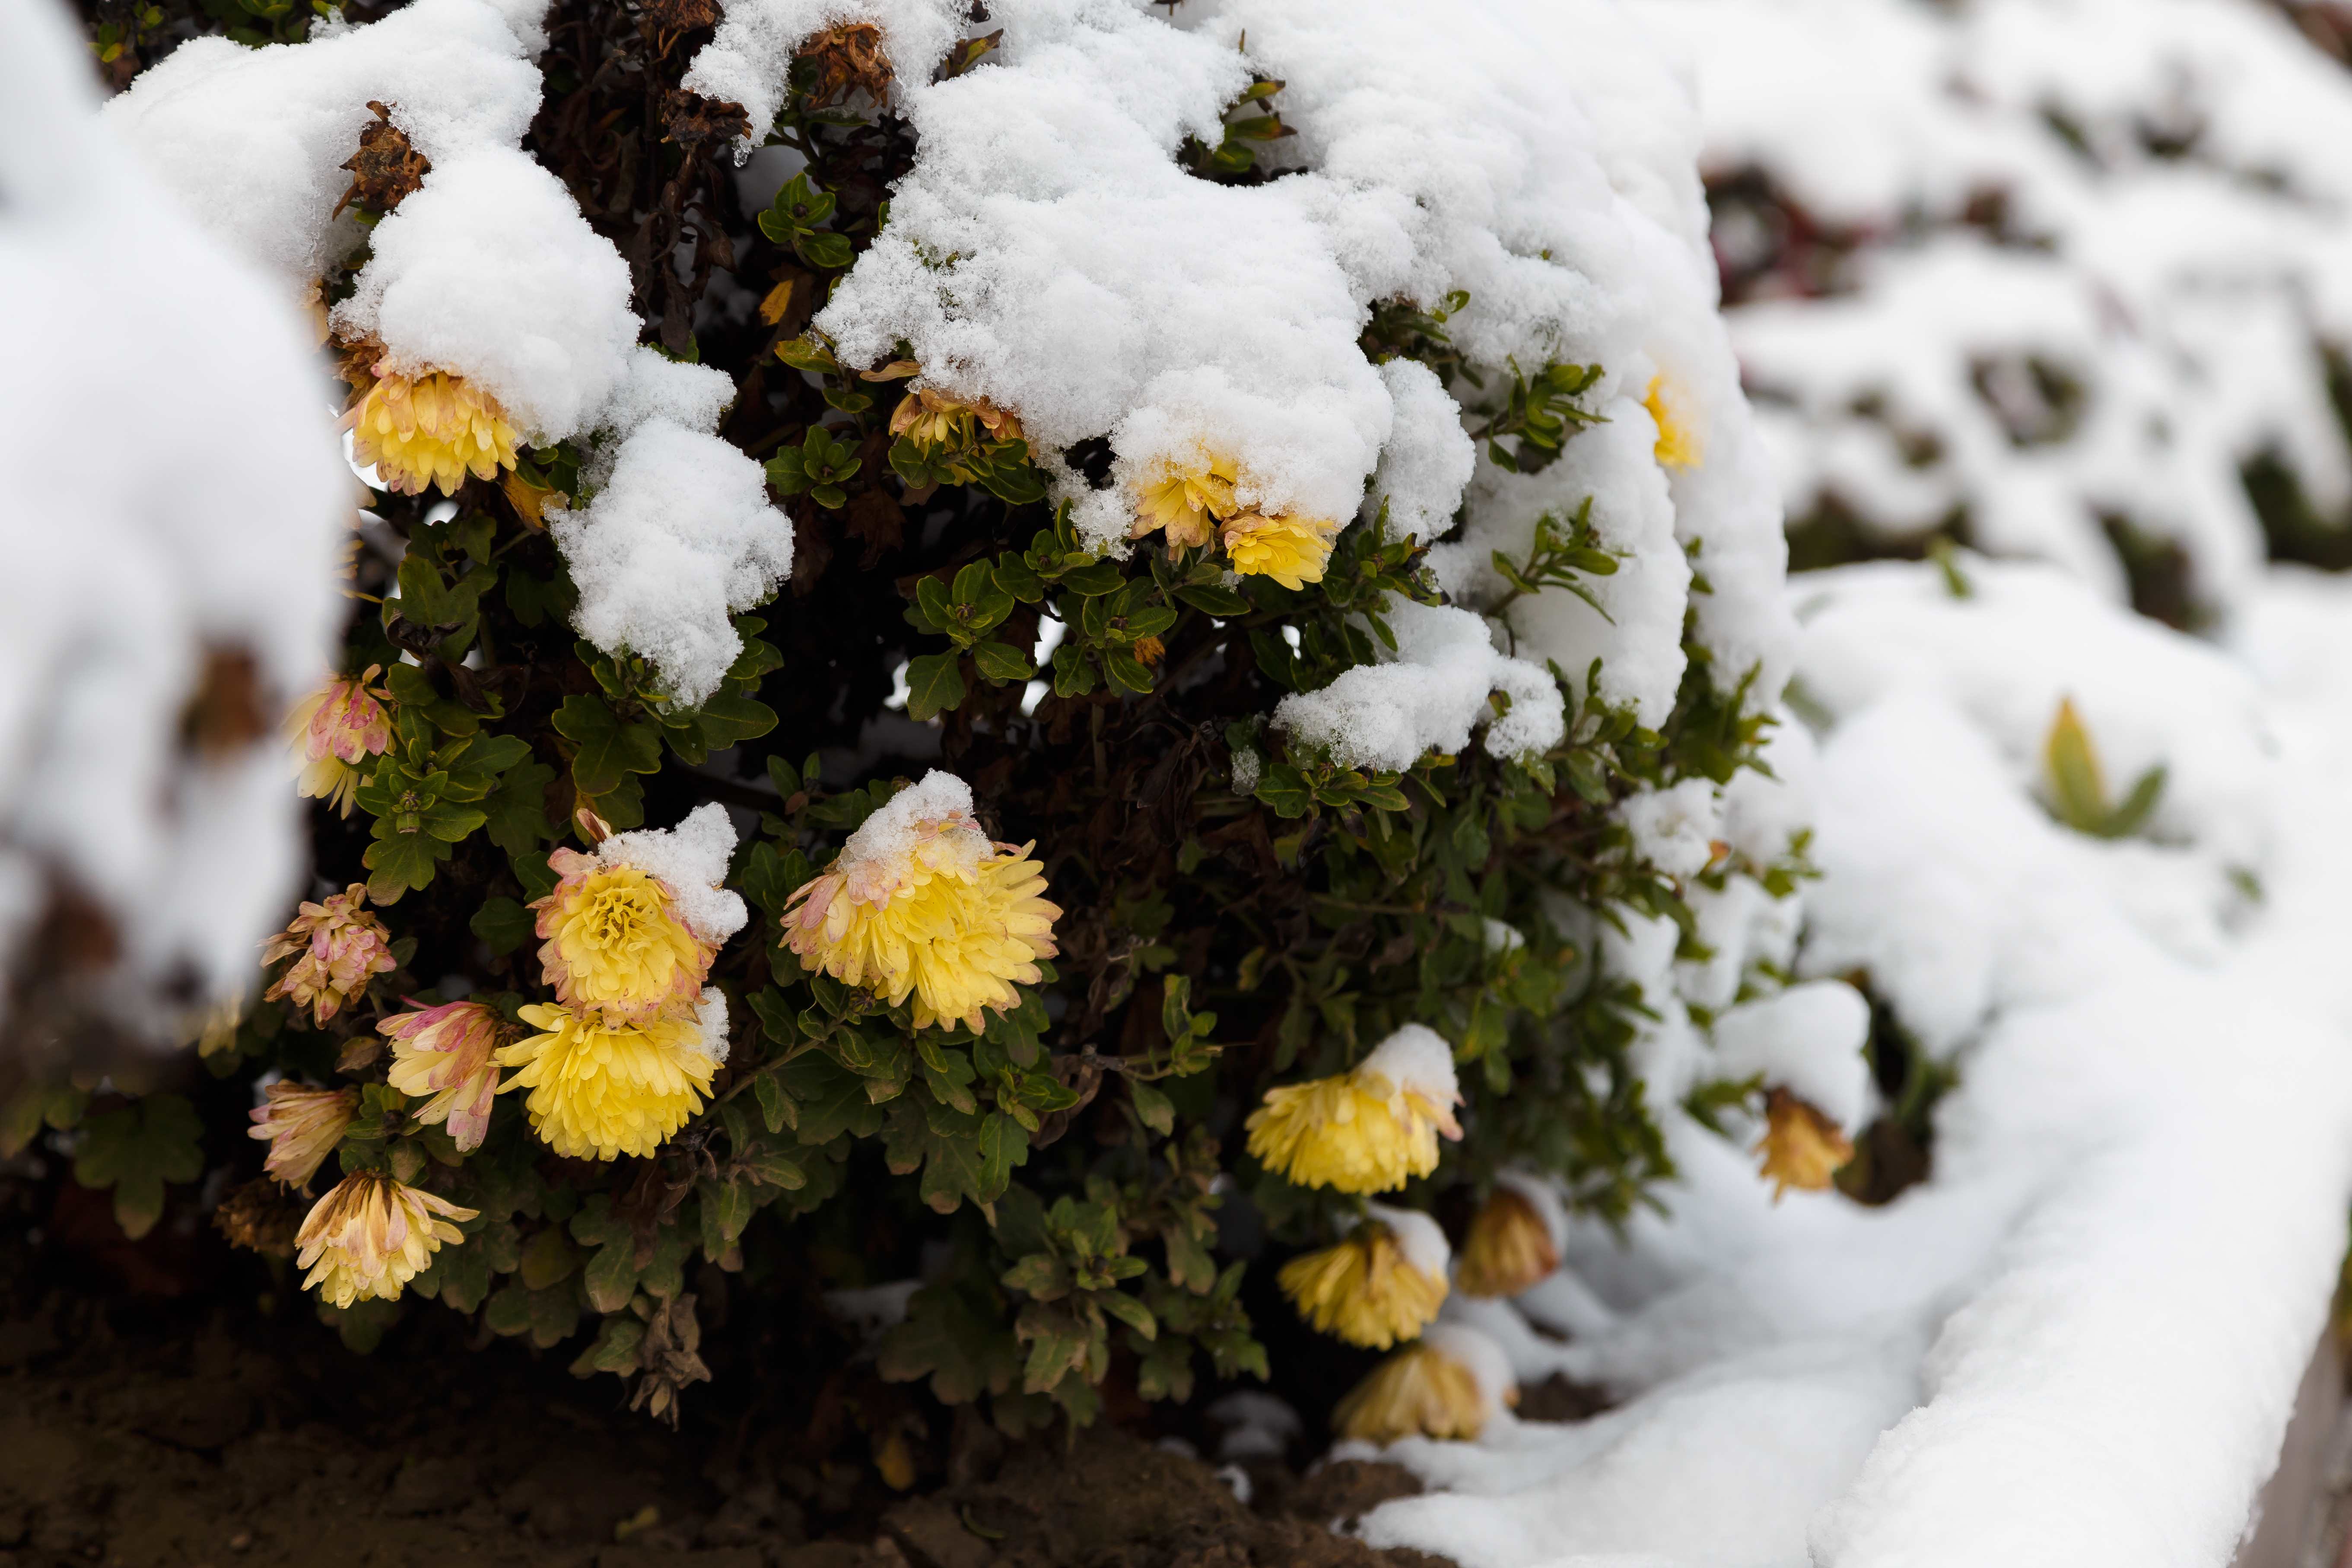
[148,545]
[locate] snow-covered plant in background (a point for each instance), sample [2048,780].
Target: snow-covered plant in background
[165,596]
[2057,280]
[1291,505]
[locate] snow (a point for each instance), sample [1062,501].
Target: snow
[1416,1058]
[486,272]
[1806,1039]
[2079,1340]
[710,1018]
[203,516]
[2171,233]
[931,815]
[1674,828]
[692,859]
[1429,695]
[1417,1237]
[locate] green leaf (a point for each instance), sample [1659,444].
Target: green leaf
[1215,599]
[1129,1310]
[608,749]
[832,1100]
[135,1151]
[727,1208]
[1151,1107]
[956,1337]
[934,684]
[1001,661]
[2078,791]
[616,1347]
[517,811]
[502,924]
[2133,813]
[824,251]
[776,1107]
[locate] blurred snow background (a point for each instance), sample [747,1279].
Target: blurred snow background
[2053,278]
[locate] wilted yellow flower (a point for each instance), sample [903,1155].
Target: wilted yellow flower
[1681,443]
[1448,1386]
[429,430]
[932,418]
[1801,1147]
[1511,1243]
[1293,550]
[1185,503]
[370,1236]
[920,902]
[1381,1284]
[616,945]
[1368,1131]
[601,1090]
[445,1052]
[218,1032]
[301,1127]
[343,947]
[334,729]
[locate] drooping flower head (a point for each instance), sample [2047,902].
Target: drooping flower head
[921,903]
[1447,1386]
[301,1127]
[428,430]
[1186,502]
[629,932]
[1293,550]
[340,948]
[1681,443]
[334,729]
[601,1090]
[445,1052]
[932,418]
[1368,1131]
[1382,1283]
[1514,1239]
[371,1236]
[1801,1147]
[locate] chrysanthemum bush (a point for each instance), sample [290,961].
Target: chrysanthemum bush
[1089,772]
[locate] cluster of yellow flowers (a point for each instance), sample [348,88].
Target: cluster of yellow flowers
[621,1060]
[1371,1131]
[1193,507]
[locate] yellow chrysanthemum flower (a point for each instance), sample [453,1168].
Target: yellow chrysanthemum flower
[370,1236]
[921,903]
[1382,1284]
[1186,503]
[600,1091]
[1512,1242]
[1448,1386]
[1801,1148]
[614,944]
[1293,550]
[1368,1131]
[1681,443]
[429,430]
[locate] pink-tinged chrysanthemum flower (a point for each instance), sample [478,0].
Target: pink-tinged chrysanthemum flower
[616,946]
[336,728]
[445,1052]
[371,1236]
[341,947]
[301,1127]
